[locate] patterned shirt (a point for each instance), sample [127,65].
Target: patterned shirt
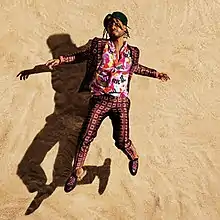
[92,53]
[113,72]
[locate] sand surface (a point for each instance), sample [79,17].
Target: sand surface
[175,126]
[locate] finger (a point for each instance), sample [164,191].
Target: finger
[163,78]
[55,65]
[50,67]
[167,77]
[18,74]
[48,62]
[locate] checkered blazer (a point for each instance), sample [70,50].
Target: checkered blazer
[93,55]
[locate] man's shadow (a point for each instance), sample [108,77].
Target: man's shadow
[62,126]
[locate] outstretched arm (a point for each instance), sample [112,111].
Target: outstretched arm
[72,58]
[146,71]
[77,57]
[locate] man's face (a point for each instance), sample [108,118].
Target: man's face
[115,28]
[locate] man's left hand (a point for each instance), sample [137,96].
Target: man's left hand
[162,76]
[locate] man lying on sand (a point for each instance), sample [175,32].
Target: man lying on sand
[111,62]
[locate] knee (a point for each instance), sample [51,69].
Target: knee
[122,144]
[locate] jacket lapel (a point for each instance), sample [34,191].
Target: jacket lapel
[95,59]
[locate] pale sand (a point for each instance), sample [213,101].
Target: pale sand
[174,125]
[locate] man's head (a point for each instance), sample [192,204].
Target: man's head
[116,25]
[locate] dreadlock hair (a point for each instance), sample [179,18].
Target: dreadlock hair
[105,34]
[127,35]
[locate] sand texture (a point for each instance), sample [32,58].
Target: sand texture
[175,125]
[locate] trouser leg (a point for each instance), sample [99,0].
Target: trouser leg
[98,111]
[119,116]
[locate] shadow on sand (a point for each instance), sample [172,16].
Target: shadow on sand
[62,127]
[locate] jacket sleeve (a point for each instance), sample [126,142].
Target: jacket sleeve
[78,57]
[143,70]
[146,71]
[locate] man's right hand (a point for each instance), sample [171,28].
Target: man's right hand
[52,63]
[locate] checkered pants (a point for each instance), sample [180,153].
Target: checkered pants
[99,108]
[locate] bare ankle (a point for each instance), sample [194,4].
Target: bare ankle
[79,172]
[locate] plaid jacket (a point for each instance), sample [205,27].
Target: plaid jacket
[93,55]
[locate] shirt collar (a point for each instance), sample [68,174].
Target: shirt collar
[112,47]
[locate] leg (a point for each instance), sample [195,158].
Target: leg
[120,122]
[98,110]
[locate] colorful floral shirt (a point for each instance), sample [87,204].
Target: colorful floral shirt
[113,72]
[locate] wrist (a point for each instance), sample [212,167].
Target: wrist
[66,59]
[61,59]
[157,74]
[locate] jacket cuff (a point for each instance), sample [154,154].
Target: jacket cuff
[156,74]
[66,59]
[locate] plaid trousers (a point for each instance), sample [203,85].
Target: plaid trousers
[100,107]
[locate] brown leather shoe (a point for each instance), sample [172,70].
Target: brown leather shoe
[70,183]
[133,166]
